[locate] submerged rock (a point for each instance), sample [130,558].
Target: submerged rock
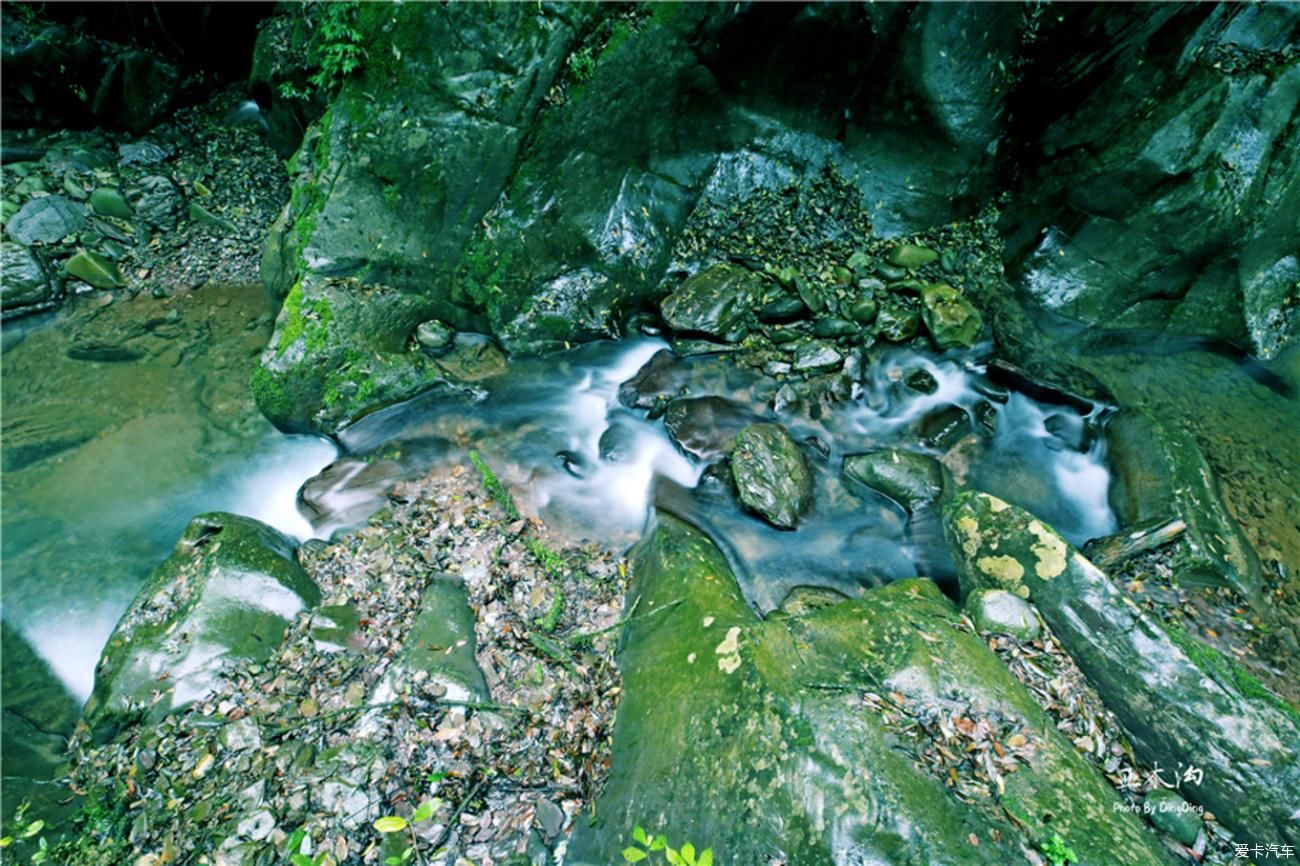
[780,745]
[772,478]
[224,596]
[716,302]
[1182,704]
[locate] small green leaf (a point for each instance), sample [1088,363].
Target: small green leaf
[659,843]
[638,833]
[632,855]
[424,813]
[393,861]
[390,824]
[688,854]
[408,854]
[706,858]
[295,840]
[6,841]
[300,860]
[33,828]
[674,858]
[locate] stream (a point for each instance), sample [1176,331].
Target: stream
[84,527]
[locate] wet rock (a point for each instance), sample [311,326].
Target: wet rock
[942,428]
[142,153]
[950,318]
[203,216]
[911,256]
[157,202]
[864,310]
[94,269]
[728,670]
[346,492]
[46,220]
[22,279]
[224,596]
[107,201]
[915,481]
[922,381]
[896,322]
[785,309]
[38,711]
[833,328]
[440,647]
[996,610]
[803,600]
[1159,472]
[816,356]
[772,477]
[1172,814]
[1180,701]
[715,302]
[618,443]
[706,427]
[435,337]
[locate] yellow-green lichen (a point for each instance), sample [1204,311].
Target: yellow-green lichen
[1006,570]
[970,528]
[1050,551]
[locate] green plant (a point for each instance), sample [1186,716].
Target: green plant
[494,487]
[583,65]
[547,558]
[1058,853]
[647,845]
[21,829]
[334,53]
[396,824]
[294,849]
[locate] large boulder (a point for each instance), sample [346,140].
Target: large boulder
[818,733]
[1182,703]
[23,281]
[224,596]
[716,303]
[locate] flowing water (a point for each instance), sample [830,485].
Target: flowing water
[84,525]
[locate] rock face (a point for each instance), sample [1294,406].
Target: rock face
[768,717]
[772,478]
[508,193]
[38,712]
[1168,217]
[224,596]
[1159,473]
[1181,703]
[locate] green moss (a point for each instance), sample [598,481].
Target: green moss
[482,270]
[304,318]
[547,558]
[1226,671]
[269,394]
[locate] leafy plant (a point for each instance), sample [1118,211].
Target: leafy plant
[1058,853]
[334,53]
[396,824]
[583,65]
[647,845]
[22,829]
[494,487]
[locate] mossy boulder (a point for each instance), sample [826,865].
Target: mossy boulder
[912,256]
[771,475]
[341,350]
[1181,702]
[795,739]
[949,317]
[1159,472]
[996,610]
[223,597]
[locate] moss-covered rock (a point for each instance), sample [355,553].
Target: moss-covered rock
[1181,702]
[1159,472]
[224,596]
[799,739]
[950,318]
[341,350]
